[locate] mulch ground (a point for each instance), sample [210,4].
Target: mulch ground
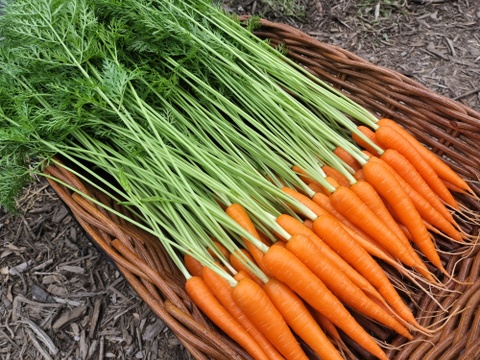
[60,298]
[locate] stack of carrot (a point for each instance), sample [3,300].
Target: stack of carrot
[319,266]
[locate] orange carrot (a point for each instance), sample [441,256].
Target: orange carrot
[440,167]
[303,175]
[319,210]
[391,139]
[359,175]
[241,275]
[193,266]
[221,248]
[239,214]
[370,197]
[238,265]
[347,158]
[222,291]
[368,243]
[331,231]
[408,172]
[308,223]
[369,134]
[326,324]
[305,200]
[300,320]
[389,188]
[335,174]
[338,283]
[424,208]
[294,227]
[255,303]
[355,210]
[204,299]
[287,268]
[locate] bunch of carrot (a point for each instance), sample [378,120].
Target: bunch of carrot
[304,263]
[255,176]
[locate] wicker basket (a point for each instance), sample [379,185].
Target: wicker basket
[451,129]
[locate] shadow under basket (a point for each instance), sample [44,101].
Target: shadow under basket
[449,128]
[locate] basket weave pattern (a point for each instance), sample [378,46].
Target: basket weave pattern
[449,128]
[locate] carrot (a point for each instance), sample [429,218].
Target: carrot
[326,324]
[241,275]
[222,291]
[355,210]
[287,268]
[305,200]
[359,175]
[443,170]
[308,223]
[391,139]
[368,243]
[319,210]
[338,283]
[370,197]
[335,174]
[221,248]
[238,265]
[369,134]
[408,172]
[303,175]
[424,208]
[193,266]
[300,320]
[389,188]
[239,214]
[294,227]
[331,231]
[204,299]
[347,158]
[255,303]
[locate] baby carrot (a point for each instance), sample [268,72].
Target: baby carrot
[389,188]
[238,265]
[287,268]
[193,266]
[391,139]
[441,168]
[294,227]
[255,303]
[222,291]
[362,143]
[355,210]
[347,158]
[300,320]
[204,299]
[329,229]
[339,284]
[239,214]
[408,172]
